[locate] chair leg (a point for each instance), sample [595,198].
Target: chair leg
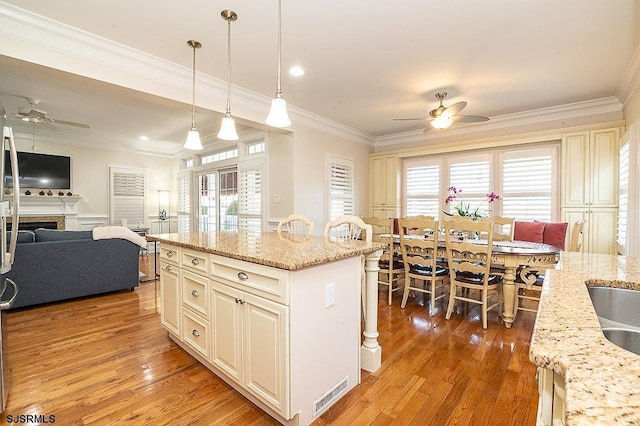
[452,300]
[405,295]
[390,281]
[433,297]
[484,308]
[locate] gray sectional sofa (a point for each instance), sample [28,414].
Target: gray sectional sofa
[53,265]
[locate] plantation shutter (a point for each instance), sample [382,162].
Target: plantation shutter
[127,200]
[250,192]
[472,178]
[184,202]
[422,189]
[527,182]
[341,187]
[623,200]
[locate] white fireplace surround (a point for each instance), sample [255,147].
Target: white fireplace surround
[66,206]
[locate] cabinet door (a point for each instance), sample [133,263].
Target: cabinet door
[575,174]
[376,181]
[384,212]
[390,180]
[604,167]
[602,231]
[226,322]
[170,297]
[573,215]
[266,351]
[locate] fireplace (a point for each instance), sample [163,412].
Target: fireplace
[35,222]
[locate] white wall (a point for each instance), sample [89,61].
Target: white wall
[90,175]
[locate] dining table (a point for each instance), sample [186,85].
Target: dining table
[514,256]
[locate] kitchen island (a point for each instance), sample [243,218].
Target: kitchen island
[584,379]
[277,317]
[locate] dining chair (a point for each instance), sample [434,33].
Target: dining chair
[296,224]
[419,246]
[351,228]
[470,266]
[391,267]
[503,227]
[575,244]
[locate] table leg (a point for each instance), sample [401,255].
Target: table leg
[509,294]
[371,351]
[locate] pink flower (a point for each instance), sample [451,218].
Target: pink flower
[493,197]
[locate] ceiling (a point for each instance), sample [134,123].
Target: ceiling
[366,62]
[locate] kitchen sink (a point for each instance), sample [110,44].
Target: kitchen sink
[618,311]
[617,306]
[626,339]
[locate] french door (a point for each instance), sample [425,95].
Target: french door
[218,200]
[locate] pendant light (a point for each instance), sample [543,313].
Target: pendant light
[228,128]
[278,116]
[193,137]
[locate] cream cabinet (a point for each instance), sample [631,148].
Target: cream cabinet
[551,402]
[590,186]
[383,185]
[251,343]
[289,341]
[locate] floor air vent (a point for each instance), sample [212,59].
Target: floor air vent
[330,396]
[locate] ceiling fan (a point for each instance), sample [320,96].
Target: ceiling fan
[35,115]
[442,117]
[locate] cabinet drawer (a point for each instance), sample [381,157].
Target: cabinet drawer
[270,283]
[169,253]
[195,290]
[195,333]
[195,261]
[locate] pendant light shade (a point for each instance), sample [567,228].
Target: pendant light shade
[228,128]
[193,137]
[278,116]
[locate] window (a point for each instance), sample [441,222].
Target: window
[341,187]
[127,196]
[623,198]
[256,148]
[422,179]
[184,202]
[250,198]
[524,178]
[218,200]
[527,184]
[219,156]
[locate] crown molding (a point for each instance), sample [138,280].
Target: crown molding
[631,78]
[519,119]
[43,41]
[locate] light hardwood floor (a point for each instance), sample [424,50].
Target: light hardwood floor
[106,360]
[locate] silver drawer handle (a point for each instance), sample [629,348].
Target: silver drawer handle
[195,293]
[195,261]
[195,333]
[243,276]
[168,267]
[169,253]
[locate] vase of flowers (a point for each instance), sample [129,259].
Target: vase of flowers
[464,208]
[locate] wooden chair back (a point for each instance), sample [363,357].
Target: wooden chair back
[462,255]
[503,227]
[575,244]
[349,228]
[296,224]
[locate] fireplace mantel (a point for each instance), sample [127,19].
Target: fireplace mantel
[52,205]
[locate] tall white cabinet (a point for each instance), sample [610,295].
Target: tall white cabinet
[590,186]
[383,186]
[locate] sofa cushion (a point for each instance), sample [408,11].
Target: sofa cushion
[55,235]
[528,231]
[555,233]
[23,237]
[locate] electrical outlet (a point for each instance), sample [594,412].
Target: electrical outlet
[329,295]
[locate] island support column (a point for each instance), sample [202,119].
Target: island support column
[371,351]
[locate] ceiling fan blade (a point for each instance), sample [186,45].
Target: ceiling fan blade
[457,108]
[406,119]
[470,118]
[427,129]
[71,123]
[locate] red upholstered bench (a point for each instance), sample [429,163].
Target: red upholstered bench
[552,233]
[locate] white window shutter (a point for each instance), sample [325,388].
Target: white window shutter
[184,202]
[422,180]
[127,195]
[623,198]
[527,183]
[250,195]
[341,187]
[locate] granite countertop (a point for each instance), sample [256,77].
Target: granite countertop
[290,252]
[602,380]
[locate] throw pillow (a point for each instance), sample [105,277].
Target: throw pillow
[55,235]
[528,231]
[555,234]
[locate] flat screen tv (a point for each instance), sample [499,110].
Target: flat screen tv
[40,171]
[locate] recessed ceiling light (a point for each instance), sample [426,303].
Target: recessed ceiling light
[296,71]
[144,138]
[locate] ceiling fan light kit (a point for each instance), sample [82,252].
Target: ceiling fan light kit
[193,137]
[228,127]
[278,116]
[443,117]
